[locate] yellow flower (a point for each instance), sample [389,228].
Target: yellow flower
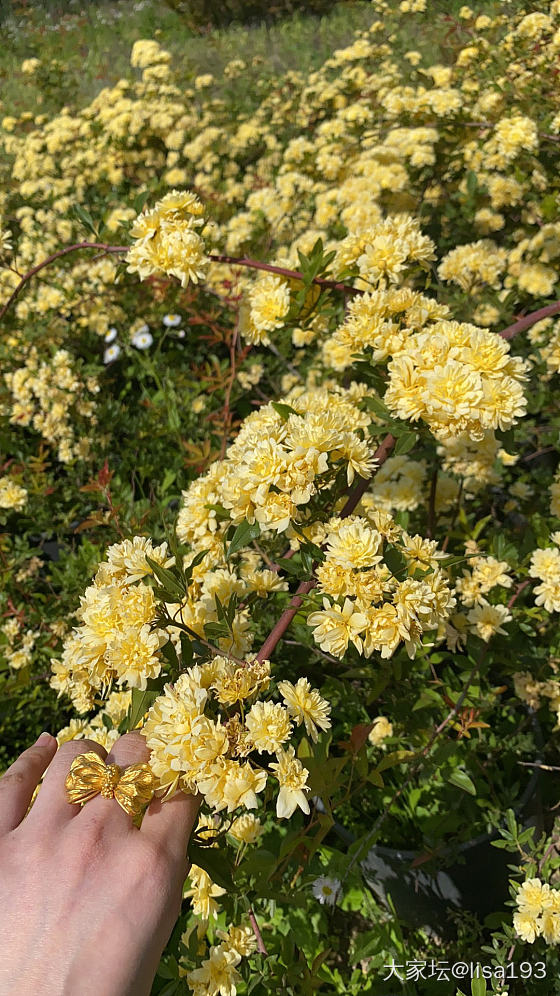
[167,241]
[533,896]
[486,619]
[246,828]
[305,705]
[335,626]
[204,893]
[11,494]
[268,725]
[292,777]
[354,544]
[217,974]
[230,784]
[242,940]
[526,926]
[380,730]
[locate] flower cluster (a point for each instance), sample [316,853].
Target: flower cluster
[115,640]
[207,730]
[461,380]
[50,396]
[167,240]
[12,495]
[376,610]
[277,464]
[538,912]
[545,567]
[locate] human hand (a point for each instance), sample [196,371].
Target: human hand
[88,899]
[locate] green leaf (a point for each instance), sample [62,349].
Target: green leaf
[186,651]
[85,217]
[395,560]
[378,407]
[141,702]
[221,513]
[168,651]
[288,564]
[426,698]
[472,183]
[194,563]
[284,410]
[460,778]
[478,986]
[395,757]
[405,443]
[140,200]
[245,533]
[365,945]
[167,578]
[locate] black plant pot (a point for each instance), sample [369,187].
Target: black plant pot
[471,876]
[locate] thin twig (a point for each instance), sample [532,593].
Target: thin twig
[50,259]
[256,930]
[517,592]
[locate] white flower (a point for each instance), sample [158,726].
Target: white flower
[140,330]
[181,334]
[111,335]
[142,340]
[171,321]
[327,890]
[111,353]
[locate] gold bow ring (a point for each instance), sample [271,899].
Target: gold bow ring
[132,787]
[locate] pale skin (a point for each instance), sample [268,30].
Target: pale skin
[88,899]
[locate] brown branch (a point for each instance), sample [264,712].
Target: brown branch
[517,592]
[532,319]
[50,259]
[280,627]
[256,930]
[256,264]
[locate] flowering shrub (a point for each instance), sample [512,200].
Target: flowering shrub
[330,605]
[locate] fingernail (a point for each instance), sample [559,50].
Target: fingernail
[44,739]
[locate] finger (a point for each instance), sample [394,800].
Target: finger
[52,803]
[128,749]
[169,825]
[19,782]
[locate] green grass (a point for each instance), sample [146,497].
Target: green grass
[90,43]
[93,47]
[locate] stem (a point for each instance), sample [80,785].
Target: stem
[255,264]
[517,592]
[531,319]
[50,259]
[380,455]
[256,929]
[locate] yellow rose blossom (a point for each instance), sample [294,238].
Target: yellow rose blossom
[292,778]
[305,705]
[268,725]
